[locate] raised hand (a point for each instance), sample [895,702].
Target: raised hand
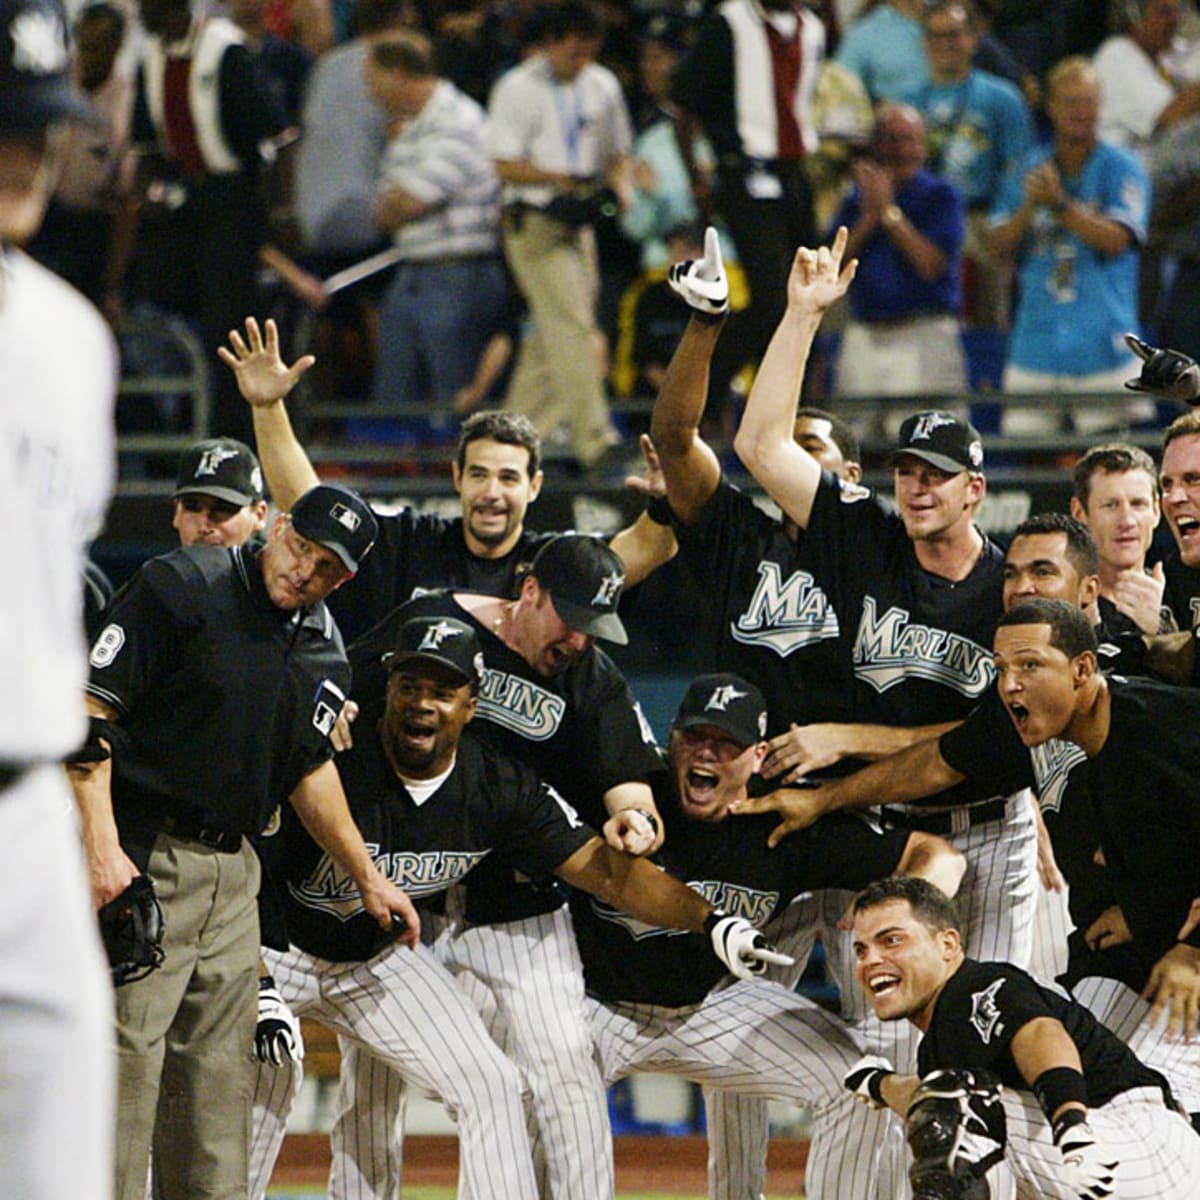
[818,279]
[262,375]
[702,281]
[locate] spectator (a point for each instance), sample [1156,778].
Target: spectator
[202,105]
[1139,97]
[77,231]
[1072,220]
[285,64]
[748,82]
[978,128]
[439,199]
[906,229]
[557,127]
[883,48]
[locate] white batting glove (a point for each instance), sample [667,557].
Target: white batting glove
[277,1037]
[702,281]
[865,1079]
[741,947]
[1090,1169]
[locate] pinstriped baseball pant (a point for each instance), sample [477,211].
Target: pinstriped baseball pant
[526,979]
[405,1006]
[764,1040]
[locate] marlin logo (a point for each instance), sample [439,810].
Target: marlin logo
[985,1016]
[347,518]
[435,635]
[1052,765]
[609,589]
[330,890]
[755,906]
[785,615]
[891,649]
[520,705]
[211,460]
[722,697]
[928,423]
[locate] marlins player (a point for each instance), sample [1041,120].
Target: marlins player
[218,494]
[1082,1116]
[655,1008]
[496,472]
[434,805]
[553,699]
[58,372]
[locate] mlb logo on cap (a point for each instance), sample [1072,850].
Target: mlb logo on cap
[339,519]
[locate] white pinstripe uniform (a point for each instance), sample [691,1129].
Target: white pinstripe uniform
[584,733]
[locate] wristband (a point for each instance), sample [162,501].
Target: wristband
[1069,1119]
[649,817]
[1059,1086]
[266,983]
[713,919]
[658,509]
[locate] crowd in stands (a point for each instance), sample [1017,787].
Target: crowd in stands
[1020,182]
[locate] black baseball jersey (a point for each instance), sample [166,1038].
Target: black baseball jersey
[984,1004]
[1182,592]
[767,618]
[488,804]
[729,863]
[226,701]
[581,731]
[417,552]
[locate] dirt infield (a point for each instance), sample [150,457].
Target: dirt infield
[666,1164]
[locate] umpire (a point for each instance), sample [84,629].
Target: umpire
[213,689]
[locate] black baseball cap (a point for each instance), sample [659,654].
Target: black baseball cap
[35,79]
[341,520]
[584,578]
[726,702]
[941,439]
[220,467]
[441,640]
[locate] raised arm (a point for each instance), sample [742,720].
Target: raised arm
[764,440]
[264,379]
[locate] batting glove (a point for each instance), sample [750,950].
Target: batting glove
[1166,373]
[1090,1170]
[277,1038]
[702,281]
[865,1079]
[741,947]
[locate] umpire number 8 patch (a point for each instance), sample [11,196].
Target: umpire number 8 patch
[107,646]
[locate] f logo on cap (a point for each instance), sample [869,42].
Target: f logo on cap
[722,697]
[345,517]
[927,424]
[211,460]
[607,592]
[435,635]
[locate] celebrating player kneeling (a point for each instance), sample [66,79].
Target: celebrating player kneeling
[1009,1067]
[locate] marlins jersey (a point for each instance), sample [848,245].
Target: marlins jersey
[487,804]
[984,1004]
[581,731]
[729,863]
[226,701]
[1182,593]
[417,552]
[768,619]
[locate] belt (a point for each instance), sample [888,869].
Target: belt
[10,773]
[946,823]
[216,839]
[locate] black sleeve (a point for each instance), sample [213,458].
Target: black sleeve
[249,111]
[844,850]
[544,830]
[696,79]
[986,747]
[143,629]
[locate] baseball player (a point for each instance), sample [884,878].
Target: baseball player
[496,472]
[652,1008]
[218,494]
[213,688]
[1076,1113]
[1179,477]
[434,806]
[58,373]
